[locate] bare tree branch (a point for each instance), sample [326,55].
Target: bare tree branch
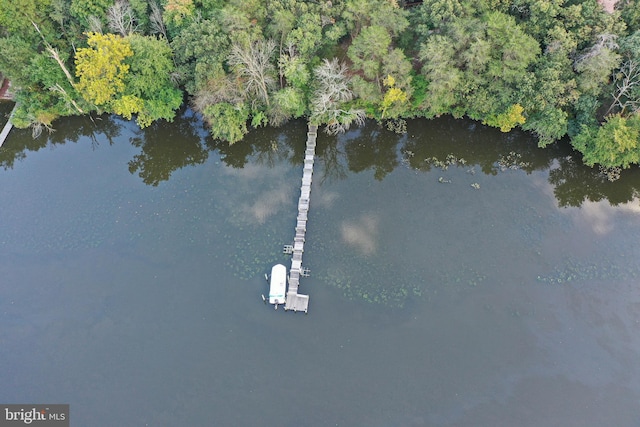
[55,55]
[218,89]
[66,96]
[341,120]
[253,64]
[331,92]
[95,25]
[605,40]
[121,18]
[627,79]
[333,88]
[157,23]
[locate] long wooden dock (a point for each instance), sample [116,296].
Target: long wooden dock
[296,301]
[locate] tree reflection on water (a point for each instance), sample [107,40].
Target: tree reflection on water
[166,147]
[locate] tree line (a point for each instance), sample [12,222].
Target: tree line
[555,68]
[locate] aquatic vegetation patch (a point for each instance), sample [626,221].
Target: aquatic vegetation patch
[450,160]
[398,126]
[373,286]
[580,271]
[443,165]
[512,161]
[377,281]
[610,173]
[251,254]
[463,275]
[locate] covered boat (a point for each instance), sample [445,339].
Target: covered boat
[278,285]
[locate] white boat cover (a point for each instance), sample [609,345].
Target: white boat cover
[278,284]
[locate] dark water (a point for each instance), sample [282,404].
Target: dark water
[460,277]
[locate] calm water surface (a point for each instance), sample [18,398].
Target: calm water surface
[460,277]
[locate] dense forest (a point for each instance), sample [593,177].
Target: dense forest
[551,67]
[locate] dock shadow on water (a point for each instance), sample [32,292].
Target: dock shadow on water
[459,277]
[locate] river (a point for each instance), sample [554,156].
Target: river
[459,277]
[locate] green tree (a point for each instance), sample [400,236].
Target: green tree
[368,49]
[48,96]
[359,14]
[288,103]
[630,13]
[513,50]
[438,55]
[615,143]
[177,14]
[307,35]
[91,14]
[282,22]
[14,64]
[549,95]
[226,121]
[595,65]
[477,67]
[199,49]
[294,69]
[150,79]
[17,18]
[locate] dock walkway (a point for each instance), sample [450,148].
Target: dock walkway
[7,127]
[296,301]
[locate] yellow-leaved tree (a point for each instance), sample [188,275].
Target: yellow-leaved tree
[101,68]
[392,96]
[507,120]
